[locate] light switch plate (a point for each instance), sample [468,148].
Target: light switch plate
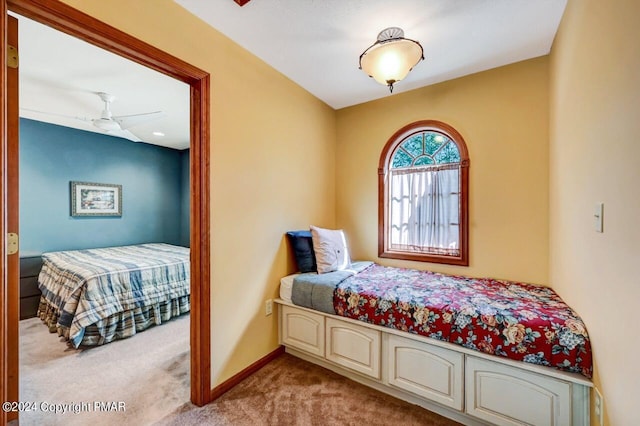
[598,217]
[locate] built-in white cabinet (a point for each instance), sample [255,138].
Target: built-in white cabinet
[303,330]
[353,346]
[462,384]
[508,396]
[426,370]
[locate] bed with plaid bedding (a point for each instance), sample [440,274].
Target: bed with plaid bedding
[94,296]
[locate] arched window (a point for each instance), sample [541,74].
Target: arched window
[423,181]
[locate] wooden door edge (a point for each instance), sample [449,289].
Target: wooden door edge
[80,25]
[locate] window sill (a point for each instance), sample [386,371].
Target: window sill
[431,258]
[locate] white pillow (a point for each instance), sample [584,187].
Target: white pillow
[330,247]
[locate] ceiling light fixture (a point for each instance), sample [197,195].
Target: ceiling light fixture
[156,133]
[391,57]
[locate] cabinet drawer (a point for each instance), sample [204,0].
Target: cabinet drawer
[353,346]
[428,371]
[30,266]
[504,395]
[303,330]
[29,287]
[29,307]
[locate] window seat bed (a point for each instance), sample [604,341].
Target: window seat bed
[487,350]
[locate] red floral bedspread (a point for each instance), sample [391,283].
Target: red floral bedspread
[514,320]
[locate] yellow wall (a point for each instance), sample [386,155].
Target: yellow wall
[503,116]
[595,157]
[273,151]
[530,199]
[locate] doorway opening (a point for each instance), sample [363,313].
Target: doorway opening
[66,19]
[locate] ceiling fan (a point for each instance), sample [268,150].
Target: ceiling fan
[119,125]
[111,124]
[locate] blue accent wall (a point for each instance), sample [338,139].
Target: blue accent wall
[51,156]
[185,226]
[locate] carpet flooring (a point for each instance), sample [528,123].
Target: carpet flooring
[150,374]
[290,391]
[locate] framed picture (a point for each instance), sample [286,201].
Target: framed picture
[96,199]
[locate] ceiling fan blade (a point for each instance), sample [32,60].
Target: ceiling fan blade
[56,115]
[127,121]
[106,124]
[112,125]
[124,134]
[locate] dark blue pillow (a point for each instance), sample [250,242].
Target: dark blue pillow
[302,246]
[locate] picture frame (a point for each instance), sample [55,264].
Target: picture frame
[95,199]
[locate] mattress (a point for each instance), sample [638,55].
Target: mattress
[286,286]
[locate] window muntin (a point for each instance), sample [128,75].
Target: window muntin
[423,195]
[423,149]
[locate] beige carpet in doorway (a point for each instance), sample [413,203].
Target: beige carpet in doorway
[148,372]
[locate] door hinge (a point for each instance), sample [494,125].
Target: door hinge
[12,57]
[12,243]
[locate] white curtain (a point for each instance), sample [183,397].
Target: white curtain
[424,211]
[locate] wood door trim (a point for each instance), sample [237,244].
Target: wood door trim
[78,24]
[64,18]
[13,261]
[3,213]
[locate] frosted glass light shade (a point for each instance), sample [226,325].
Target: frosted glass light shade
[390,60]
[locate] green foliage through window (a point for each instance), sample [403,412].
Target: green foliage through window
[425,149]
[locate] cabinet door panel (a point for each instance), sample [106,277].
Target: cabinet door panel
[428,371]
[354,347]
[303,330]
[509,396]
